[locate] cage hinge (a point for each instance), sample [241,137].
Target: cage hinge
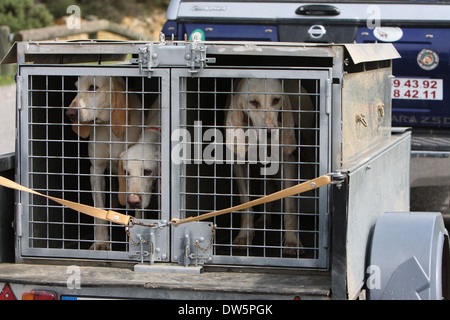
[19,214]
[19,92]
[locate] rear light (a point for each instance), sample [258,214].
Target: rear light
[38,295]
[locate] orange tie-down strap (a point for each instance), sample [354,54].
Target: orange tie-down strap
[92,211]
[297,189]
[123,219]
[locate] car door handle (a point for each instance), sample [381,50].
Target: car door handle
[317,10]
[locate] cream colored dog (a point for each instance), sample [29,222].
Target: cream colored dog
[139,166]
[110,118]
[259,103]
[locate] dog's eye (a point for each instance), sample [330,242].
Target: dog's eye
[92,87]
[254,103]
[276,101]
[148,172]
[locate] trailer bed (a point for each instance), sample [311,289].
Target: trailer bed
[113,282]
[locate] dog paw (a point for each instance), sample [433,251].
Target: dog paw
[243,239]
[101,246]
[290,251]
[292,245]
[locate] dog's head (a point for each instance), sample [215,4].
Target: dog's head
[138,171]
[99,99]
[260,103]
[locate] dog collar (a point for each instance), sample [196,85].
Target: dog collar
[153,128]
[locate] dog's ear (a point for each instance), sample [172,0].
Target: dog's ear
[119,114]
[234,121]
[288,125]
[81,130]
[122,184]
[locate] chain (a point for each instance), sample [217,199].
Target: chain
[127,230]
[211,242]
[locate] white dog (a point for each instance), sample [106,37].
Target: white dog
[139,166]
[260,103]
[110,118]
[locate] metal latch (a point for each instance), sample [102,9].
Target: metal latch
[194,243]
[169,54]
[196,58]
[148,59]
[148,244]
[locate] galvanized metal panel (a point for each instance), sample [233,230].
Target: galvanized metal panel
[366,111]
[371,52]
[377,185]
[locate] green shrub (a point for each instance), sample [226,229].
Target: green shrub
[24,14]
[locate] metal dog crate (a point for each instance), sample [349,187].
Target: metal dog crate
[191,83]
[54,160]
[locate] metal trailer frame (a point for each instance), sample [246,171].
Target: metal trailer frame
[354,113]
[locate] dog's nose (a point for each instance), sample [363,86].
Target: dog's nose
[72,114]
[134,201]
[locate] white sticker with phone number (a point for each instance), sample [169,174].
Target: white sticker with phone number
[417,89]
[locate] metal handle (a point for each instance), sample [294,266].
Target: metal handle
[362,118]
[317,10]
[380,108]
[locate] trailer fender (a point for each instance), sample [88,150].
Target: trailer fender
[409,257]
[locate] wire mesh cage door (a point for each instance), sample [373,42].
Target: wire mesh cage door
[59,159]
[243,134]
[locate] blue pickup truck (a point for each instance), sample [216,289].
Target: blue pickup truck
[420,31]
